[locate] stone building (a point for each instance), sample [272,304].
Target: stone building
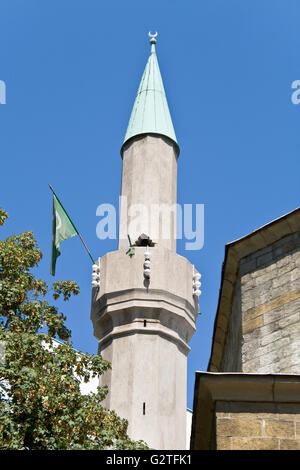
[250,396]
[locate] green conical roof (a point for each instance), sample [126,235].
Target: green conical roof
[150,113]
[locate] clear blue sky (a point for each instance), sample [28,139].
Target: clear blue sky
[72,69]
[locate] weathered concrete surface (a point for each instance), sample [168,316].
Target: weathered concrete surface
[144,326]
[257,426]
[147,386]
[149,179]
[143,330]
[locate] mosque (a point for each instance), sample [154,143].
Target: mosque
[145,305]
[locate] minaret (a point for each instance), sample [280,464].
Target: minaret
[150,152]
[144,306]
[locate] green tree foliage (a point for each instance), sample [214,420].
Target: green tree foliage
[41,405]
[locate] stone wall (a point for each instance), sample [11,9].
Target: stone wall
[264,329]
[232,356]
[270,293]
[257,426]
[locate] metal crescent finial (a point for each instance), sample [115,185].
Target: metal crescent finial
[152,36]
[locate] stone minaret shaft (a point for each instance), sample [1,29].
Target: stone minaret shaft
[144,311]
[149,190]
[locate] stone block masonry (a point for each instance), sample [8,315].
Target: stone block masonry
[257,426]
[270,308]
[263,334]
[250,397]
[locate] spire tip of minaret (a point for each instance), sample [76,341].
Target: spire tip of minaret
[152,37]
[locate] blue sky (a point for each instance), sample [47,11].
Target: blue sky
[72,69]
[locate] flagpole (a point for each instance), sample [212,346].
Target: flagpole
[76,231]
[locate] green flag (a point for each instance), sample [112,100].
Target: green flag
[62,229]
